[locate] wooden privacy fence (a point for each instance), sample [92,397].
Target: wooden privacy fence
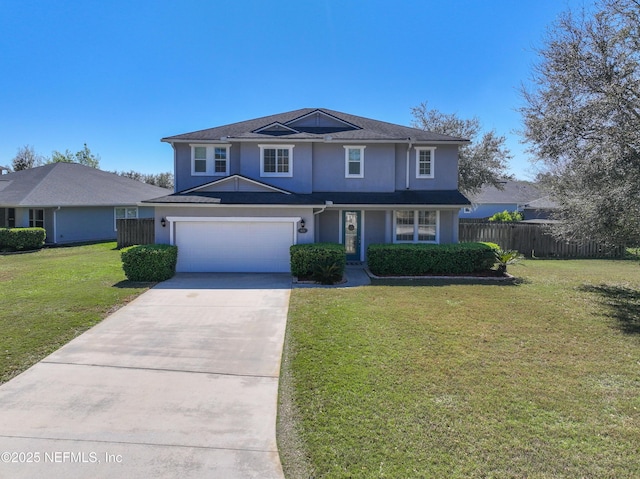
[534,239]
[135,231]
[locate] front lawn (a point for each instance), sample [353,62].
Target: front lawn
[538,379]
[52,295]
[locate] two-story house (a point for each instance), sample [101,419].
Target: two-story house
[247,191]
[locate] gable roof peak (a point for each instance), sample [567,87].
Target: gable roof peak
[237,181]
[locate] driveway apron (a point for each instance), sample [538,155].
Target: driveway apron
[180,383]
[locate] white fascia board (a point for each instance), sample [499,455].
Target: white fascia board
[221,205]
[358,141]
[391,206]
[235,219]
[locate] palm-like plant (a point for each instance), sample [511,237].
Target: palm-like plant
[505,258]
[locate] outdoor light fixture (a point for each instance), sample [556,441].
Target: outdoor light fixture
[163,222]
[302,223]
[302,229]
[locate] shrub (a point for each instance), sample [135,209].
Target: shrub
[324,262]
[21,239]
[421,259]
[154,262]
[327,273]
[507,216]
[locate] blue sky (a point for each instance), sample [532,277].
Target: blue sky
[120,75]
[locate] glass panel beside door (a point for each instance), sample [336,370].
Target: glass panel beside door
[351,234]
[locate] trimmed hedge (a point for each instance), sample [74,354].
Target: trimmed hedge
[21,239]
[151,262]
[311,260]
[422,259]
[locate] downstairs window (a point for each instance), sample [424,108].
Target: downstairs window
[36,218]
[420,226]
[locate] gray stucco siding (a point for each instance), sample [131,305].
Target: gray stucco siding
[445,166]
[328,227]
[83,224]
[299,182]
[448,226]
[91,223]
[375,228]
[184,179]
[163,233]
[329,168]
[320,166]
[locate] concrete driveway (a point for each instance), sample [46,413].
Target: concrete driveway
[180,383]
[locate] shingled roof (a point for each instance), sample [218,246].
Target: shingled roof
[436,197]
[72,184]
[298,125]
[520,192]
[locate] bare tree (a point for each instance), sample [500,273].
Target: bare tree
[483,162]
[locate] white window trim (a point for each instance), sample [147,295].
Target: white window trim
[433,162]
[416,228]
[346,160]
[265,174]
[125,208]
[33,213]
[210,159]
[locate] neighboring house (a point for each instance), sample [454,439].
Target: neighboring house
[490,200]
[72,202]
[248,191]
[540,210]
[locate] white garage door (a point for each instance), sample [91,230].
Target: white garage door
[234,246]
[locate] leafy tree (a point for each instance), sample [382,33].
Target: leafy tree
[483,162]
[582,121]
[83,157]
[58,157]
[507,216]
[26,158]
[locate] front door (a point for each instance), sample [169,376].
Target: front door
[351,234]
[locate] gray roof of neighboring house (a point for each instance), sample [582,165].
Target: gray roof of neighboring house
[348,128]
[72,184]
[518,192]
[438,197]
[544,203]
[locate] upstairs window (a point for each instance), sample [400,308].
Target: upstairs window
[276,160]
[354,161]
[425,162]
[200,160]
[210,160]
[220,160]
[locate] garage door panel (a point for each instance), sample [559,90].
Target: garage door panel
[221,246]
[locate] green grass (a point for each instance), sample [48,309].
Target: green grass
[52,295]
[538,379]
